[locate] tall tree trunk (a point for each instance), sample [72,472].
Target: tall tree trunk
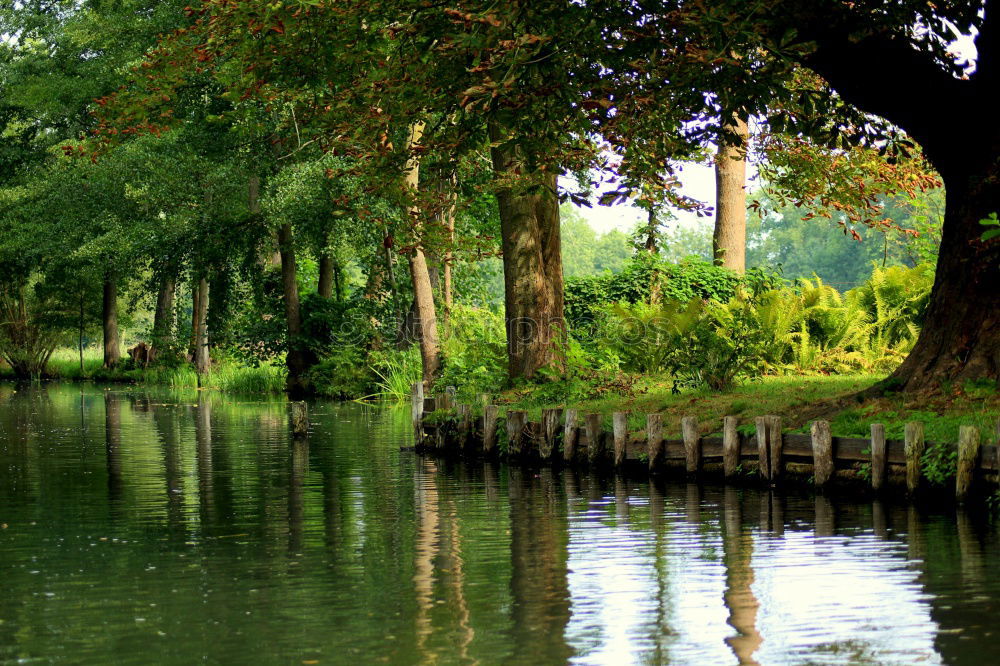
[423,292]
[960,337]
[426,320]
[449,254]
[193,342]
[295,358]
[532,266]
[326,274]
[112,353]
[164,313]
[202,359]
[651,245]
[338,281]
[729,242]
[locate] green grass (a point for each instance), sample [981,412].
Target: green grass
[226,376]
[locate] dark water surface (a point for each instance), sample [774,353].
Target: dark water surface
[144,527]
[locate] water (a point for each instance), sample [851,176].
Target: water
[140,527]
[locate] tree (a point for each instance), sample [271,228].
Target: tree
[894,62]
[729,242]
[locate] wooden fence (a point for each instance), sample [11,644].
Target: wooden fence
[564,436]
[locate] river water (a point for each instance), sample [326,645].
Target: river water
[158,527]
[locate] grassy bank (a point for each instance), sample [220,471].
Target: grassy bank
[226,376]
[798,399]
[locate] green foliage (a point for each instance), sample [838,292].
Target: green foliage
[397,371]
[991,221]
[474,348]
[342,374]
[806,327]
[940,463]
[650,278]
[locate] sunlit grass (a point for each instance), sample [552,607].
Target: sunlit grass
[225,376]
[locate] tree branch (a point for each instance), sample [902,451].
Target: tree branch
[887,77]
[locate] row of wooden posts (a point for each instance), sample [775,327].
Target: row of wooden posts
[773,452]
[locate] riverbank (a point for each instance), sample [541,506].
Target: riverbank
[224,376]
[817,431]
[797,399]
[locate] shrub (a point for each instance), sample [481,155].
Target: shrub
[474,349]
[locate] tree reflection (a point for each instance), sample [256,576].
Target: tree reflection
[538,546]
[737,546]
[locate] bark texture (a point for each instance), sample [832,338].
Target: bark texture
[423,291]
[324,287]
[163,316]
[296,358]
[532,263]
[202,359]
[112,351]
[729,241]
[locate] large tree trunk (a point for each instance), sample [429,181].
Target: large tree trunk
[296,358]
[163,316]
[324,287]
[202,359]
[448,218]
[112,352]
[532,266]
[426,319]
[729,242]
[960,338]
[423,291]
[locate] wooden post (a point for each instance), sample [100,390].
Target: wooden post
[417,409]
[550,426]
[763,459]
[620,426]
[913,446]
[443,401]
[570,434]
[654,440]
[592,422]
[516,420]
[464,425]
[692,444]
[822,448]
[968,456]
[298,419]
[451,392]
[490,413]
[730,446]
[878,456]
[775,442]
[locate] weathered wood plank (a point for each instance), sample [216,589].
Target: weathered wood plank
[619,421]
[878,456]
[517,419]
[968,455]
[490,417]
[763,456]
[913,445]
[571,432]
[654,440]
[822,449]
[592,426]
[550,426]
[730,446]
[692,444]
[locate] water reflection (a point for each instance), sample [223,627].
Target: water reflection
[137,519]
